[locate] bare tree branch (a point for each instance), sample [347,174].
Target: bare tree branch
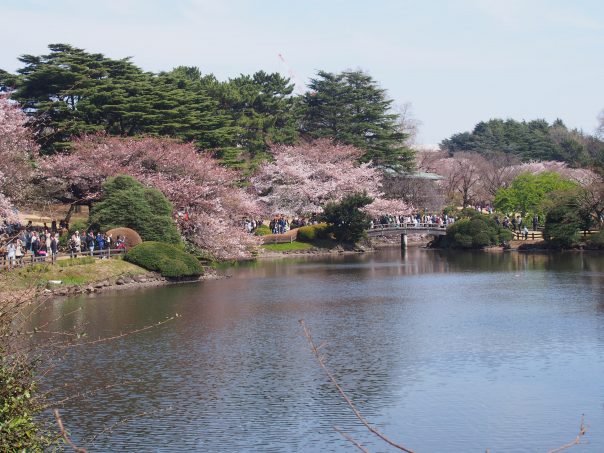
[332,378]
[575,441]
[65,435]
[350,439]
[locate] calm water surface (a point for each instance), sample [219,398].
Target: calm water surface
[444,352]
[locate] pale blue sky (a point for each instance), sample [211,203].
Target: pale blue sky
[457,61]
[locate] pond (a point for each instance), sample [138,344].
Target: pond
[442,352]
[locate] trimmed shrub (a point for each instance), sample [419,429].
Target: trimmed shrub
[475,231]
[128,203]
[262,230]
[167,259]
[311,232]
[131,237]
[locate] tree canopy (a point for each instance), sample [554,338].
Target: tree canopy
[529,140]
[351,108]
[528,192]
[346,218]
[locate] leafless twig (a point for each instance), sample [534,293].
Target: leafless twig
[65,435]
[350,439]
[575,441]
[321,360]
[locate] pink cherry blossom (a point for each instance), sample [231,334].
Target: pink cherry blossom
[303,178]
[194,182]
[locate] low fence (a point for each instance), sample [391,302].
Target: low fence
[285,238]
[30,259]
[538,235]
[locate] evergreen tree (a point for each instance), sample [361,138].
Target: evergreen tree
[347,222]
[351,108]
[532,140]
[127,203]
[70,92]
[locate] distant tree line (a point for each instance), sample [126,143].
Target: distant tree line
[529,141]
[70,92]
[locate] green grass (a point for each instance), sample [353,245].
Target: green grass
[287,246]
[79,271]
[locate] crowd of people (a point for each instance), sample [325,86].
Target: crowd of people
[40,243]
[87,243]
[413,220]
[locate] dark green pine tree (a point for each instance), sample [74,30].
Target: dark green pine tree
[51,87]
[261,107]
[532,140]
[351,108]
[70,92]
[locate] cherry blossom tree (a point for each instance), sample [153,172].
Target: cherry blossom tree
[205,193]
[304,177]
[6,210]
[461,176]
[582,176]
[17,151]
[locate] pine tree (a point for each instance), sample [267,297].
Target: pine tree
[351,108]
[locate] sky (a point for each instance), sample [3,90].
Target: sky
[457,62]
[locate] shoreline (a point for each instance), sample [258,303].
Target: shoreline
[121,282]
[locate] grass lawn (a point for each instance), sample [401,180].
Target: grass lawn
[288,246]
[77,271]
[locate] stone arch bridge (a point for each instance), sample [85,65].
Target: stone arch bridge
[405,229]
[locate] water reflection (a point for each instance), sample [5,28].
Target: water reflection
[446,351]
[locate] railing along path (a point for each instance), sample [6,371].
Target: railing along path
[29,259]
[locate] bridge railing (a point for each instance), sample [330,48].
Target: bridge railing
[408,226]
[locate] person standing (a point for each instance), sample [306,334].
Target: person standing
[19,252]
[11,251]
[100,243]
[535,222]
[54,246]
[90,242]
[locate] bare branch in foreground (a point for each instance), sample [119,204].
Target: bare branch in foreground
[350,439]
[332,378]
[65,435]
[575,441]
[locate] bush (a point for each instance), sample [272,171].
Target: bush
[596,241]
[127,203]
[262,230]
[78,225]
[562,225]
[310,233]
[474,231]
[168,260]
[347,222]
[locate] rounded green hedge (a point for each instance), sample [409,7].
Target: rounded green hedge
[311,232]
[168,260]
[262,230]
[473,231]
